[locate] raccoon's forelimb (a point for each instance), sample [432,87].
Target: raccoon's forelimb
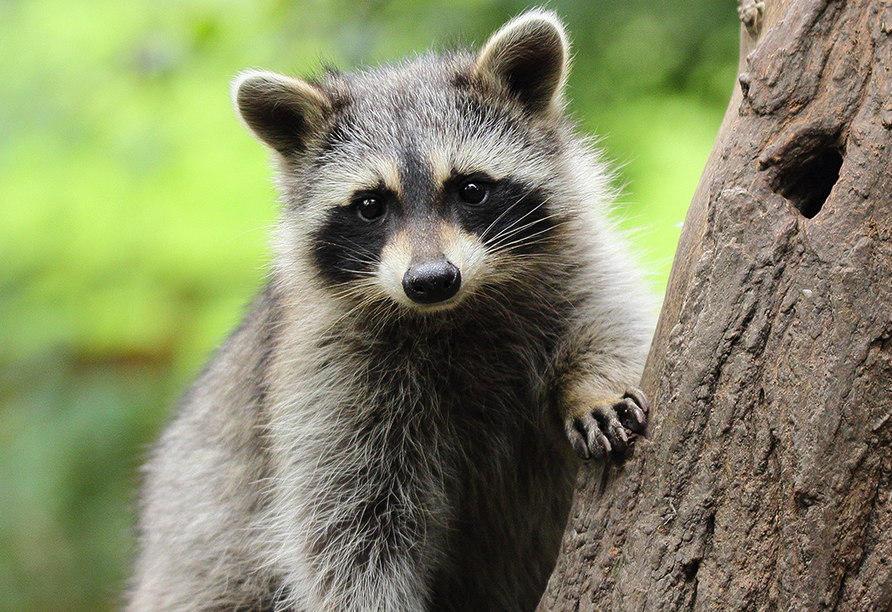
[595,403]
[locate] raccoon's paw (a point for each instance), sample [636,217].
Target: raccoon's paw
[601,432]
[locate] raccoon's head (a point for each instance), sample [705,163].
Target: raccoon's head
[427,182]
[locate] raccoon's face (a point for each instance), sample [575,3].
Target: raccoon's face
[422,182]
[428,241]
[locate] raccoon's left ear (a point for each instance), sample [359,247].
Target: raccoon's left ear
[529,56]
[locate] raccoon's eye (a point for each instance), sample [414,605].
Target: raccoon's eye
[473,191]
[370,207]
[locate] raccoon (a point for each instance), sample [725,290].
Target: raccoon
[451,324]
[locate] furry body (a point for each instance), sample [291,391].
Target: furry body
[365,442]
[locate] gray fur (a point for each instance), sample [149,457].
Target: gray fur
[346,450]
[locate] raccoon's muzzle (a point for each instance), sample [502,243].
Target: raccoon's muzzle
[430,282]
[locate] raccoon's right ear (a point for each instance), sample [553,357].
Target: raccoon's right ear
[281,111]
[529,56]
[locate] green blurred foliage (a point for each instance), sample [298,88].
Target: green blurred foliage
[134,210]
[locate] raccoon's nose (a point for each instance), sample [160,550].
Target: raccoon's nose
[431,281]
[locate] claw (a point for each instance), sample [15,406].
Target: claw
[618,438]
[604,442]
[621,432]
[576,434]
[638,397]
[632,410]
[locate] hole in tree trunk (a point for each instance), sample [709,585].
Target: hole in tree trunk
[808,185]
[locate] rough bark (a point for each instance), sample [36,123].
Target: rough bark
[765,481]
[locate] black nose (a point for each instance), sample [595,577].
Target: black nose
[431,282]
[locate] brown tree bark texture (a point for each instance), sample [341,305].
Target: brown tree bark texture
[765,481]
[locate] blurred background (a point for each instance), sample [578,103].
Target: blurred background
[134,212]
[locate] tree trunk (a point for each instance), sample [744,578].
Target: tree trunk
[765,481]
